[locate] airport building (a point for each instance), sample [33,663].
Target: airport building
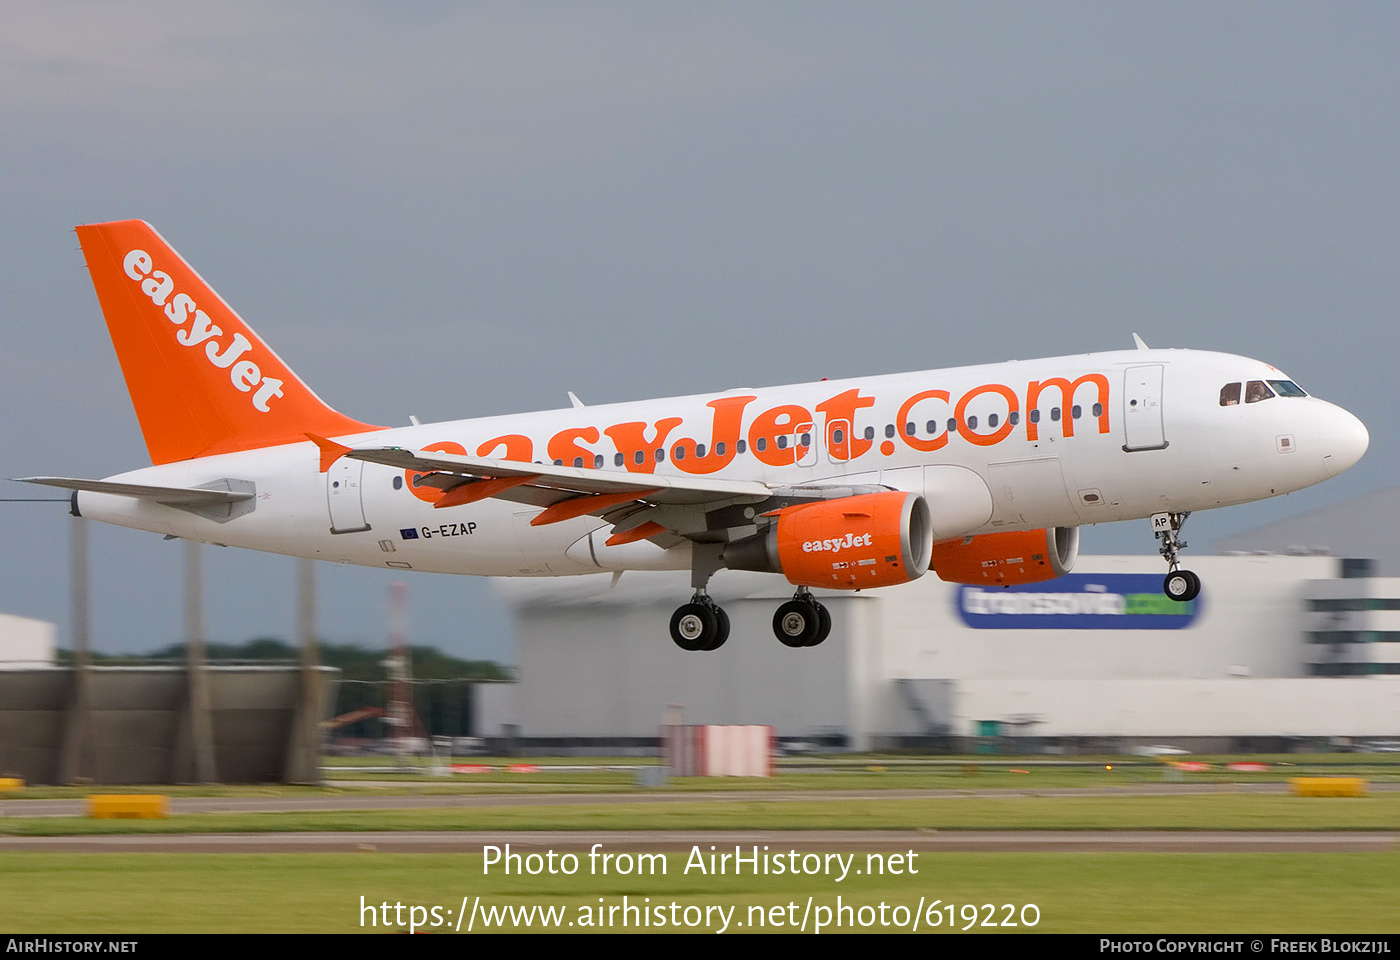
[1279,652]
[26,644]
[153,723]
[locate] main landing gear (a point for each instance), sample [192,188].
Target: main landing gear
[1180,585]
[700,624]
[803,621]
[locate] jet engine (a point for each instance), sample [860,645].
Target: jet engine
[850,543]
[1006,559]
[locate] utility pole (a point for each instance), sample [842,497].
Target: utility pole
[76,758]
[194,754]
[303,763]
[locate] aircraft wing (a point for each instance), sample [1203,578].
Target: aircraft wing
[653,488]
[665,509]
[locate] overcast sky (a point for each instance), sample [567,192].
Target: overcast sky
[459,209]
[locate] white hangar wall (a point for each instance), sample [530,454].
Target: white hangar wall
[1207,709]
[595,659]
[26,644]
[1249,616]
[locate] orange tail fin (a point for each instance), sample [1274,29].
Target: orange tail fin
[201,380]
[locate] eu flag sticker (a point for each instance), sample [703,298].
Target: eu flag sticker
[409,533]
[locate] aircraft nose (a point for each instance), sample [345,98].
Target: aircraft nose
[1347,440]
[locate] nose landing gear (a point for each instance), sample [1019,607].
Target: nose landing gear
[1179,585]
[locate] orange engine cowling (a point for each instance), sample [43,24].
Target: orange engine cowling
[870,540]
[1006,559]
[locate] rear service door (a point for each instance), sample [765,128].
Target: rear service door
[343,496]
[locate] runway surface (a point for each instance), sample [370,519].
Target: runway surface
[930,841]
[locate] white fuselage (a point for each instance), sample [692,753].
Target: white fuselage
[1144,432]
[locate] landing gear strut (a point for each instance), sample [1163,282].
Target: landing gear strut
[700,624]
[1180,585]
[802,621]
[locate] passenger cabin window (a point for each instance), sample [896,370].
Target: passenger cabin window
[1229,394]
[1257,390]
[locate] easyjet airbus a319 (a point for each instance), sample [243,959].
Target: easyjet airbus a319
[982,473]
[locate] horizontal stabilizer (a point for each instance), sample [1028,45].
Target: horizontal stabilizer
[221,501]
[171,496]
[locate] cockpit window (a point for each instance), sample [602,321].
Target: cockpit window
[1287,388]
[1229,394]
[1257,390]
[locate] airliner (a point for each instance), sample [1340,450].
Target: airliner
[981,473]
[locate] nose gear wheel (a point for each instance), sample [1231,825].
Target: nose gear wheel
[1179,585]
[1182,585]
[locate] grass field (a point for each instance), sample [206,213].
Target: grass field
[1087,892]
[1120,892]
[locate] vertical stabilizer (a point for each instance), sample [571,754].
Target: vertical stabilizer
[201,380]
